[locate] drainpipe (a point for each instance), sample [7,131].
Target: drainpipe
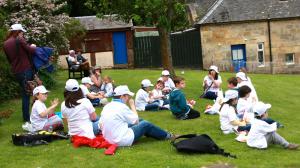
[270,45]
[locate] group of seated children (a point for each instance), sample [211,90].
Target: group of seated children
[241,112]
[119,122]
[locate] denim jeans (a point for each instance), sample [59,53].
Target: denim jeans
[211,95]
[148,129]
[154,106]
[96,128]
[22,78]
[95,102]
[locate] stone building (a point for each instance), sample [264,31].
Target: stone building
[261,35]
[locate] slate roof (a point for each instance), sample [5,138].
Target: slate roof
[108,22]
[246,10]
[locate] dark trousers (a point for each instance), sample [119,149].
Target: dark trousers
[193,114]
[211,95]
[22,79]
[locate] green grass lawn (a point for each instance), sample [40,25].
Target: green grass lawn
[282,91]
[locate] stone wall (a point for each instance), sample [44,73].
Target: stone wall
[217,40]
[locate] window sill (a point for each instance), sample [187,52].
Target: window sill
[290,63]
[261,66]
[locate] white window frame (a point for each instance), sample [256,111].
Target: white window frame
[289,63]
[261,64]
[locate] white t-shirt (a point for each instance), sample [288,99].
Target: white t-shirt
[169,83]
[253,96]
[243,106]
[141,99]
[256,136]
[227,114]
[79,121]
[84,90]
[213,88]
[156,93]
[114,121]
[36,120]
[107,88]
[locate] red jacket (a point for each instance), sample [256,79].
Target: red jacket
[18,58]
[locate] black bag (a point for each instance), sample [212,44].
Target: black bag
[31,139]
[198,144]
[37,138]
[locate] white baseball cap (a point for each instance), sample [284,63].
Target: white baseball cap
[122,90]
[230,94]
[213,67]
[241,75]
[146,83]
[87,80]
[39,89]
[72,85]
[17,26]
[165,73]
[260,108]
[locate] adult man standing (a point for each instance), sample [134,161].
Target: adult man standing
[18,53]
[121,125]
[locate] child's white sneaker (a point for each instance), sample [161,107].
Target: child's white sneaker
[27,127]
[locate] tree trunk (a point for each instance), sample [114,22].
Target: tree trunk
[165,44]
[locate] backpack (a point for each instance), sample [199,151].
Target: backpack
[37,138]
[198,144]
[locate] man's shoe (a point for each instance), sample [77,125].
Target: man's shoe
[292,146]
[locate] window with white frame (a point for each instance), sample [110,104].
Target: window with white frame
[260,54]
[289,58]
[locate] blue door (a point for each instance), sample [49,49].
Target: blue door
[238,53]
[120,49]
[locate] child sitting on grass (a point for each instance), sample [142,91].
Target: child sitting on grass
[143,102]
[107,87]
[180,107]
[40,114]
[262,134]
[229,120]
[157,94]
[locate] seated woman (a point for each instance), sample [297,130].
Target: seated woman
[79,112]
[96,79]
[212,83]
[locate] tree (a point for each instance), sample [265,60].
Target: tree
[45,21]
[166,15]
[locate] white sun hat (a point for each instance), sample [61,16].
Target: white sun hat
[230,94]
[122,90]
[213,67]
[146,83]
[165,73]
[241,75]
[260,108]
[87,80]
[72,85]
[39,89]
[17,26]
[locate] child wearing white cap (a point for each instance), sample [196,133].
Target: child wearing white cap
[95,98]
[168,82]
[242,81]
[262,134]
[79,112]
[212,83]
[40,114]
[143,101]
[121,125]
[229,120]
